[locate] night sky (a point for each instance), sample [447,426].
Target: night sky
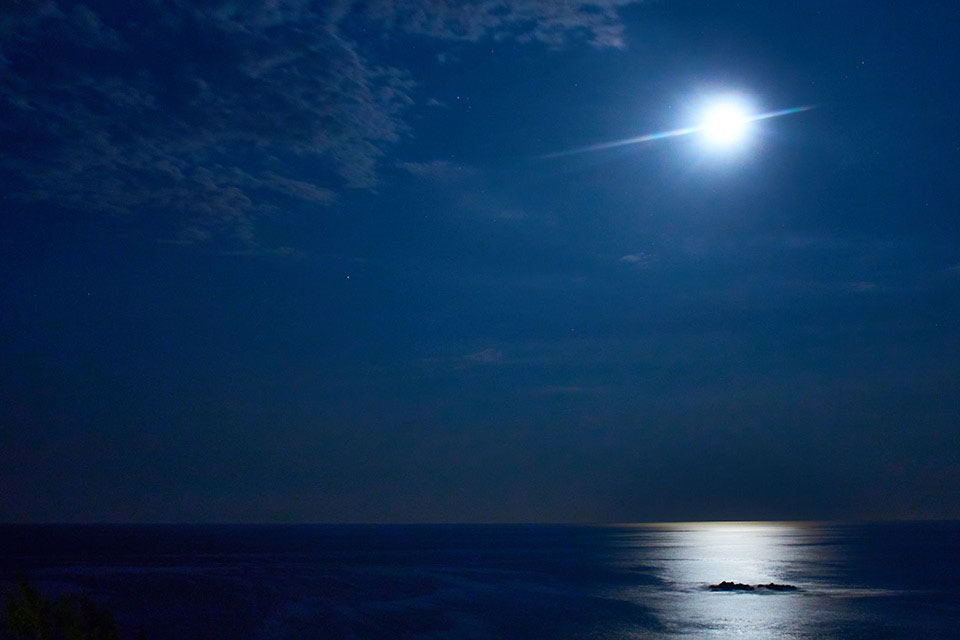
[287,261]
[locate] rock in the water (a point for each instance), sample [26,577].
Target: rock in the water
[739,586]
[731,586]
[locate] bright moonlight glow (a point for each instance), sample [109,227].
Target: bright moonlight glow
[725,124]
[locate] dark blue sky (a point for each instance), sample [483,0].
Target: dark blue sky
[293,261]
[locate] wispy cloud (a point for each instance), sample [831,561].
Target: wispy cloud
[211,141]
[277,106]
[438,170]
[641,259]
[549,22]
[486,356]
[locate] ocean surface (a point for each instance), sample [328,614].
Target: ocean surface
[492,581]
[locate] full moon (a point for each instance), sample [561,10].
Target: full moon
[725,123]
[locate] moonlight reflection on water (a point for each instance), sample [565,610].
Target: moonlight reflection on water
[688,557]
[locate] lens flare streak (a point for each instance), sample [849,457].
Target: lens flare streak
[673,133]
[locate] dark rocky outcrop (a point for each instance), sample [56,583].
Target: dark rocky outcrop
[739,586]
[731,586]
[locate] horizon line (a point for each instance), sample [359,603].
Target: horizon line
[477,523]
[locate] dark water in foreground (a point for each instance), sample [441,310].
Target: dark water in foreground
[465,581]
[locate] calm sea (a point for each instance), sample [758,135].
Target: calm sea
[492,581]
